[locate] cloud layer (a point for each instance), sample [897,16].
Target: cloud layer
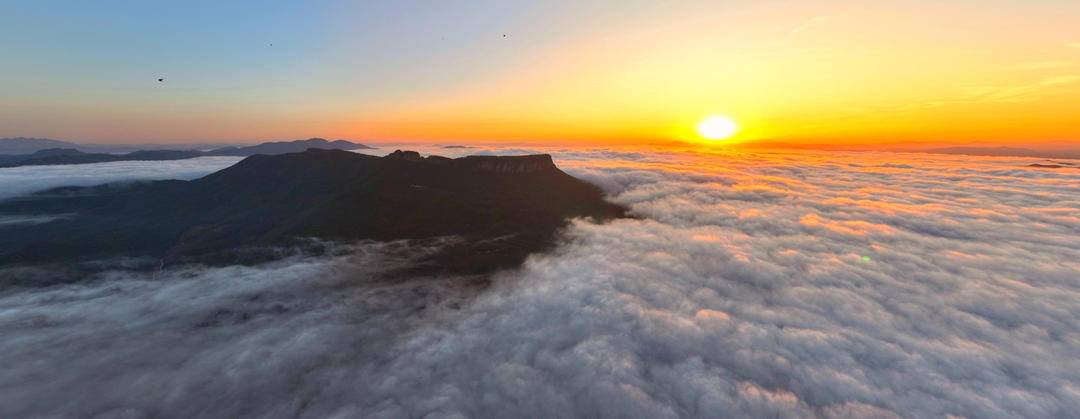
[16,181]
[761,284]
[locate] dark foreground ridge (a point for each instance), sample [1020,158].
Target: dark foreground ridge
[501,208]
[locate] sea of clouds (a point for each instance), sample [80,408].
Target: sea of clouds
[15,181]
[748,284]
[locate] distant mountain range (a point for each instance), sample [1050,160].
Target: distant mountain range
[283,147]
[500,208]
[68,155]
[24,145]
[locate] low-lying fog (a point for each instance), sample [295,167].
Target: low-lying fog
[15,181]
[765,284]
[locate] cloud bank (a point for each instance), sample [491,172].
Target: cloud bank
[15,181]
[751,284]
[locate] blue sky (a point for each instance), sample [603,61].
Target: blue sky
[77,61]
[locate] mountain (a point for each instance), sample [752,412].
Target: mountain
[55,156]
[127,148]
[500,209]
[23,145]
[282,147]
[11,160]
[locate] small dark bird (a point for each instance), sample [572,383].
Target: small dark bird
[504,35]
[161,80]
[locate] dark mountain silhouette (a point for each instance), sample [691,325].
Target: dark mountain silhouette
[13,159]
[23,145]
[500,208]
[54,156]
[282,147]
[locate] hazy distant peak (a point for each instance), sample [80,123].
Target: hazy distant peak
[283,147]
[26,145]
[58,151]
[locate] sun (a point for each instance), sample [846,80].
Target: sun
[717,127]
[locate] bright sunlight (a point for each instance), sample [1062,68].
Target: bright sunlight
[717,127]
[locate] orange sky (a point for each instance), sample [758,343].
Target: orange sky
[834,72]
[841,74]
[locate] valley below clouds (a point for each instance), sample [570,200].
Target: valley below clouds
[787,284]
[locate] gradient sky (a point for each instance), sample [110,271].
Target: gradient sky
[567,71]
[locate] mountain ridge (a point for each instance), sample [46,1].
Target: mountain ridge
[501,209]
[27,145]
[71,155]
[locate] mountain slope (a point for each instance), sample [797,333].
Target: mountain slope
[501,208]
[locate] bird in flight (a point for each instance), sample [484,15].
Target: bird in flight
[161,80]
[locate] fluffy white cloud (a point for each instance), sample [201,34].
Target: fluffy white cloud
[16,181]
[761,284]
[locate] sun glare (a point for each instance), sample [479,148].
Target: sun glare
[717,127]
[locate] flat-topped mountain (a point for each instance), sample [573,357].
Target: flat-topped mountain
[501,208]
[70,155]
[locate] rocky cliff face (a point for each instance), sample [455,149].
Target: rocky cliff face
[406,155]
[508,164]
[496,164]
